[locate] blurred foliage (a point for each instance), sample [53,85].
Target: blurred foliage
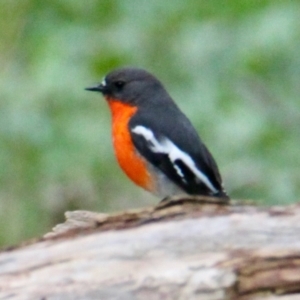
[232,66]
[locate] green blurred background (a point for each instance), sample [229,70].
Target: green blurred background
[232,66]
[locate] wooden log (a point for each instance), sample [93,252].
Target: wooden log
[191,248]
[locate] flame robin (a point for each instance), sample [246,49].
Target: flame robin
[154,142]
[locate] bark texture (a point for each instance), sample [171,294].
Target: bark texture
[195,248]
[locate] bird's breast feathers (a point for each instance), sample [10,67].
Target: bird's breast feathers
[129,160]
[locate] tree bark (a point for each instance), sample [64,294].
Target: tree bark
[191,248]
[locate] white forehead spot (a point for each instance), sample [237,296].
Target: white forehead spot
[103,82]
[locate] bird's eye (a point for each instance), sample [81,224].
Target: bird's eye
[119,84]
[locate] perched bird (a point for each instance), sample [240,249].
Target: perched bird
[154,142]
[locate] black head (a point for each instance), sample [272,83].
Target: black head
[130,85]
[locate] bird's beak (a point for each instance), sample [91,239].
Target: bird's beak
[98,88]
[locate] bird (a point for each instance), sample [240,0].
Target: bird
[154,142]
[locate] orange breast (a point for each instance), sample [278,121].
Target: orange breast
[129,160]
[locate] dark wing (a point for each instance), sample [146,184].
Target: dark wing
[176,150]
